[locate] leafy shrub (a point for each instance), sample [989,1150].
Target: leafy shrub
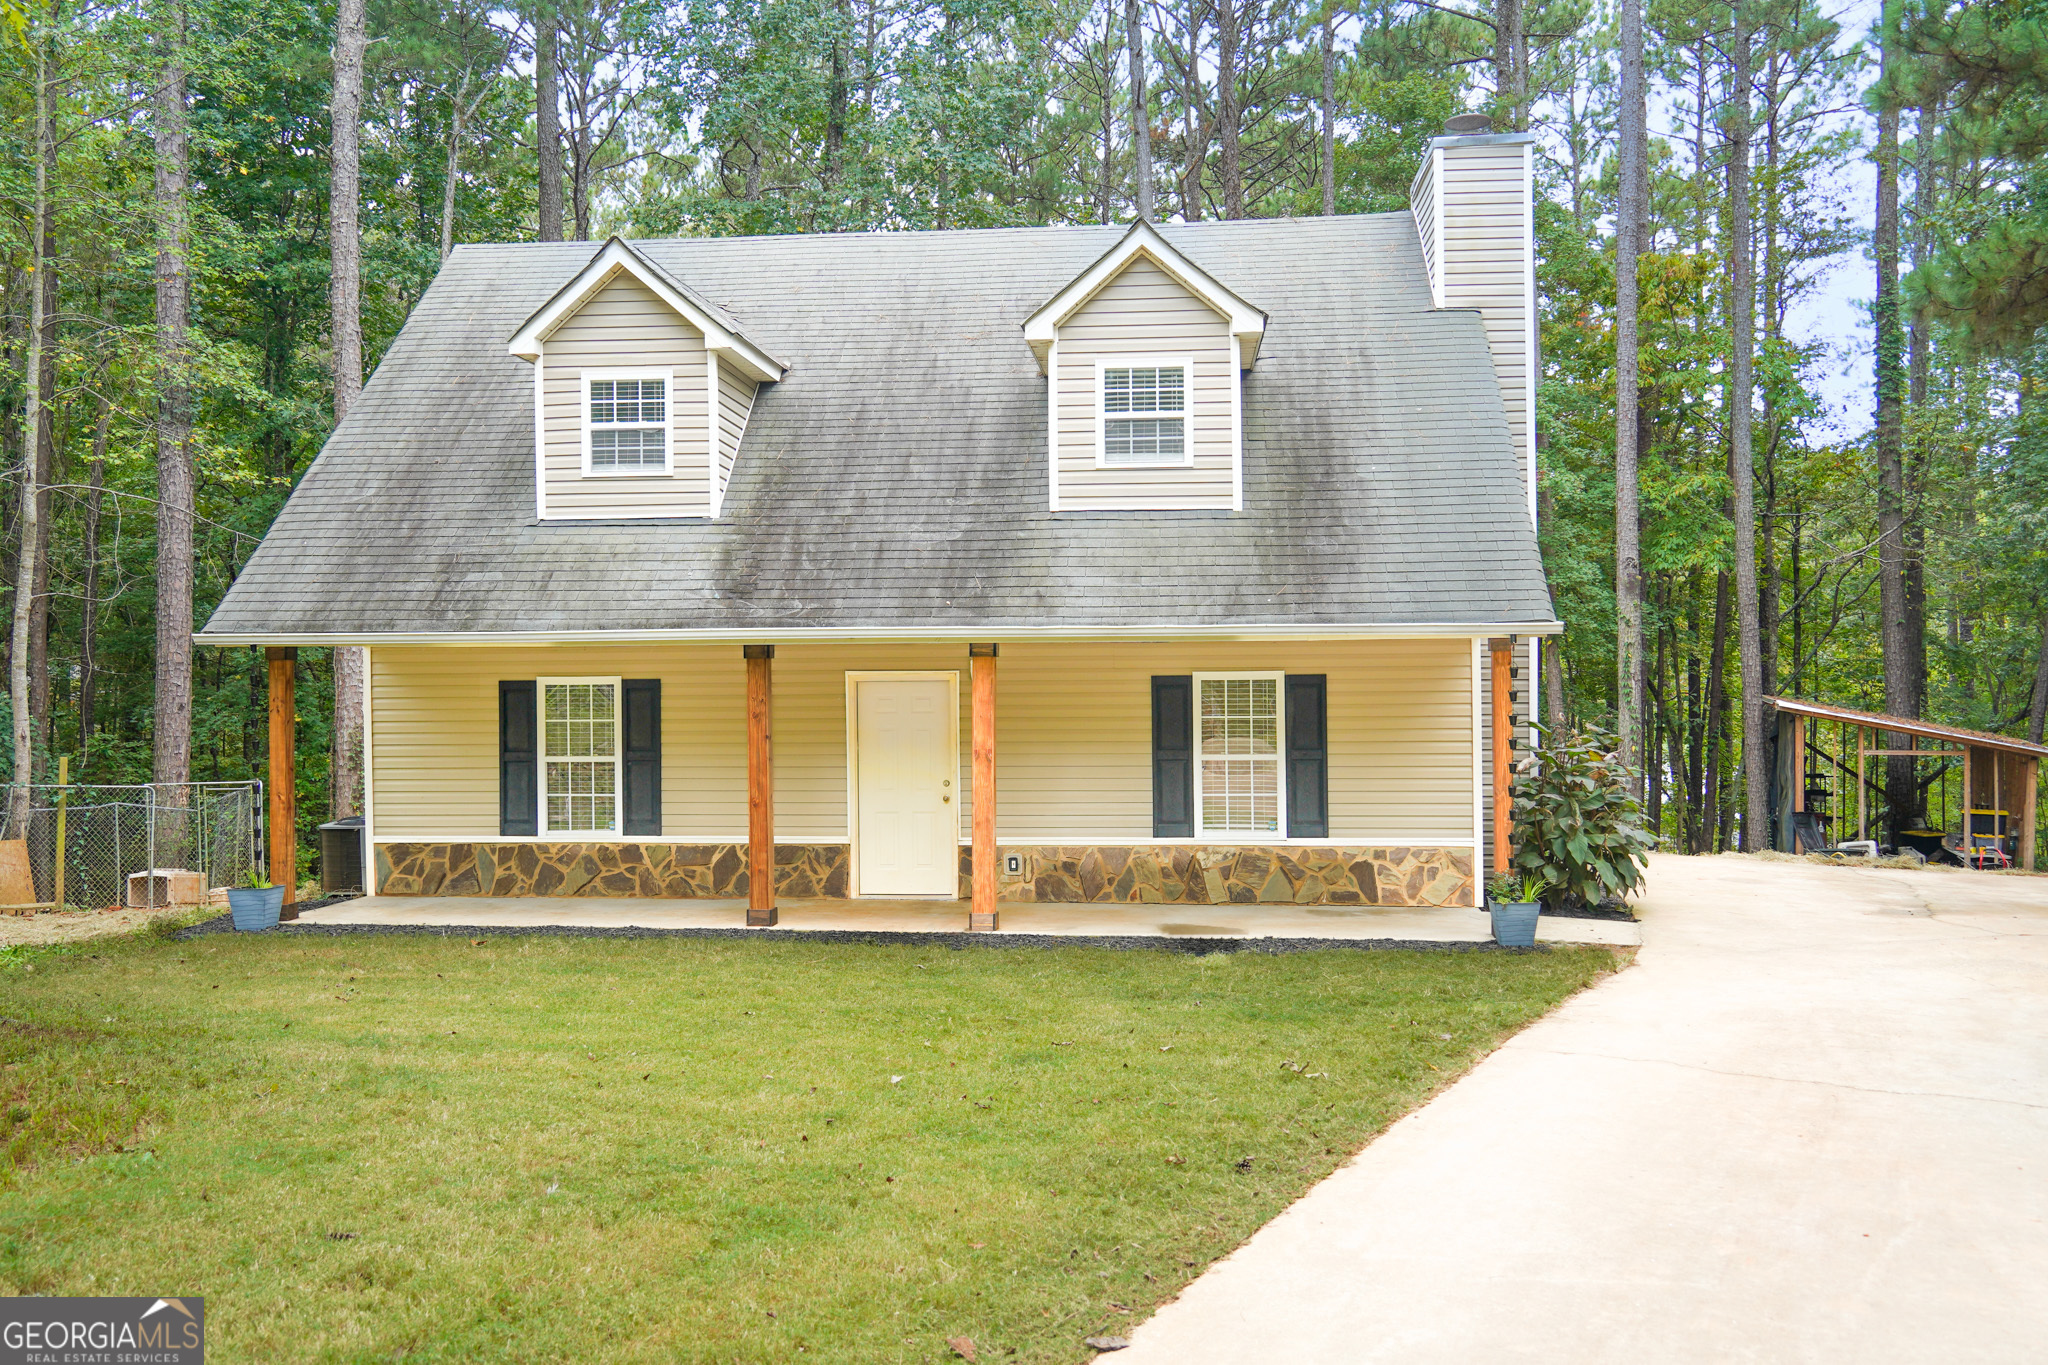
[1577,827]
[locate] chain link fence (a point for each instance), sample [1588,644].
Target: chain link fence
[153,845]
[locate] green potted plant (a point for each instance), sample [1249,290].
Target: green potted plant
[1514,901]
[256,905]
[1578,829]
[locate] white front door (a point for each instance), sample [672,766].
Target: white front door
[906,776]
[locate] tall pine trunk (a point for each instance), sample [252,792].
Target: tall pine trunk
[45,428]
[172,757]
[345,245]
[1756,810]
[1328,111]
[1630,212]
[1901,697]
[89,609]
[1229,149]
[1141,118]
[547,120]
[29,522]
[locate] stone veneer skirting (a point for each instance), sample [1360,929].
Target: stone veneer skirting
[1163,874]
[1211,874]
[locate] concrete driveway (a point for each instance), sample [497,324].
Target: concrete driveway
[1810,1124]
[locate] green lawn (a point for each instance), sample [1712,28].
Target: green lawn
[549,1149]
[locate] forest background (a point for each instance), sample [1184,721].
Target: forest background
[215,215]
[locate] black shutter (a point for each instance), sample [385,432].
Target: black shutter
[642,755]
[1308,757]
[518,758]
[1173,758]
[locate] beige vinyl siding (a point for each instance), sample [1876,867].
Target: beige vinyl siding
[1146,312]
[1422,204]
[735,405]
[434,736]
[1486,245]
[1073,734]
[625,326]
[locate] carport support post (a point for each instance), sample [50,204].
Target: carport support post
[2030,788]
[284,802]
[981,662]
[760,788]
[1503,752]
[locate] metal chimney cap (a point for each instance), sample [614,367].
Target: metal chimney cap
[1469,123]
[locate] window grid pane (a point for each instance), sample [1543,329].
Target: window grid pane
[1240,755]
[1128,440]
[616,406]
[1144,390]
[579,737]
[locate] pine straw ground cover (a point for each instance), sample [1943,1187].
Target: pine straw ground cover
[548,1149]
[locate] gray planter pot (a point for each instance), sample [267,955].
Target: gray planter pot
[255,907]
[1514,922]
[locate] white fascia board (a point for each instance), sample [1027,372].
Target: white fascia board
[614,256]
[1247,324]
[1451,630]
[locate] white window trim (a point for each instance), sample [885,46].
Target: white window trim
[1186,365]
[1202,832]
[618,759]
[584,379]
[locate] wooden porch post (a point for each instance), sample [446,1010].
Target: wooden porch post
[1503,752]
[2030,790]
[284,800]
[760,788]
[981,661]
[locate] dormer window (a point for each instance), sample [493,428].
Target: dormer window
[1144,412]
[641,394]
[625,424]
[1144,354]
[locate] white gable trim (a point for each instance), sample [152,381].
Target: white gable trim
[1247,324]
[615,257]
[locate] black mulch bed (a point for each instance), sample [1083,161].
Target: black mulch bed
[1622,913]
[921,939]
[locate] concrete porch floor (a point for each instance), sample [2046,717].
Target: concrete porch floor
[1423,924]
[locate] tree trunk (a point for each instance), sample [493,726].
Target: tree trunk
[837,95]
[1756,815]
[458,117]
[1329,108]
[2037,712]
[346,324]
[1141,117]
[30,519]
[89,611]
[1715,760]
[172,758]
[1509,48]
[45,428]
[1632,130]
[344,208]
[1198,130]
[1229,152]
[1901,698]
[547,121]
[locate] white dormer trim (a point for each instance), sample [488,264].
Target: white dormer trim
[1247,324]
[721,337]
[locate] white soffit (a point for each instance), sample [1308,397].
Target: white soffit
[1247,324]
[721,336]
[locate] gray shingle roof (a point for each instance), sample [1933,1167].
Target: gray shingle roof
[896,479]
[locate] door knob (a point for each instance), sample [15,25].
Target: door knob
[947,798]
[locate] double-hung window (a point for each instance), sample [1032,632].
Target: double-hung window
[1144,410]
[1238,779]
[625,422]
[579,735]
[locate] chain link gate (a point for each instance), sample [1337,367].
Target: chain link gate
[152,845]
